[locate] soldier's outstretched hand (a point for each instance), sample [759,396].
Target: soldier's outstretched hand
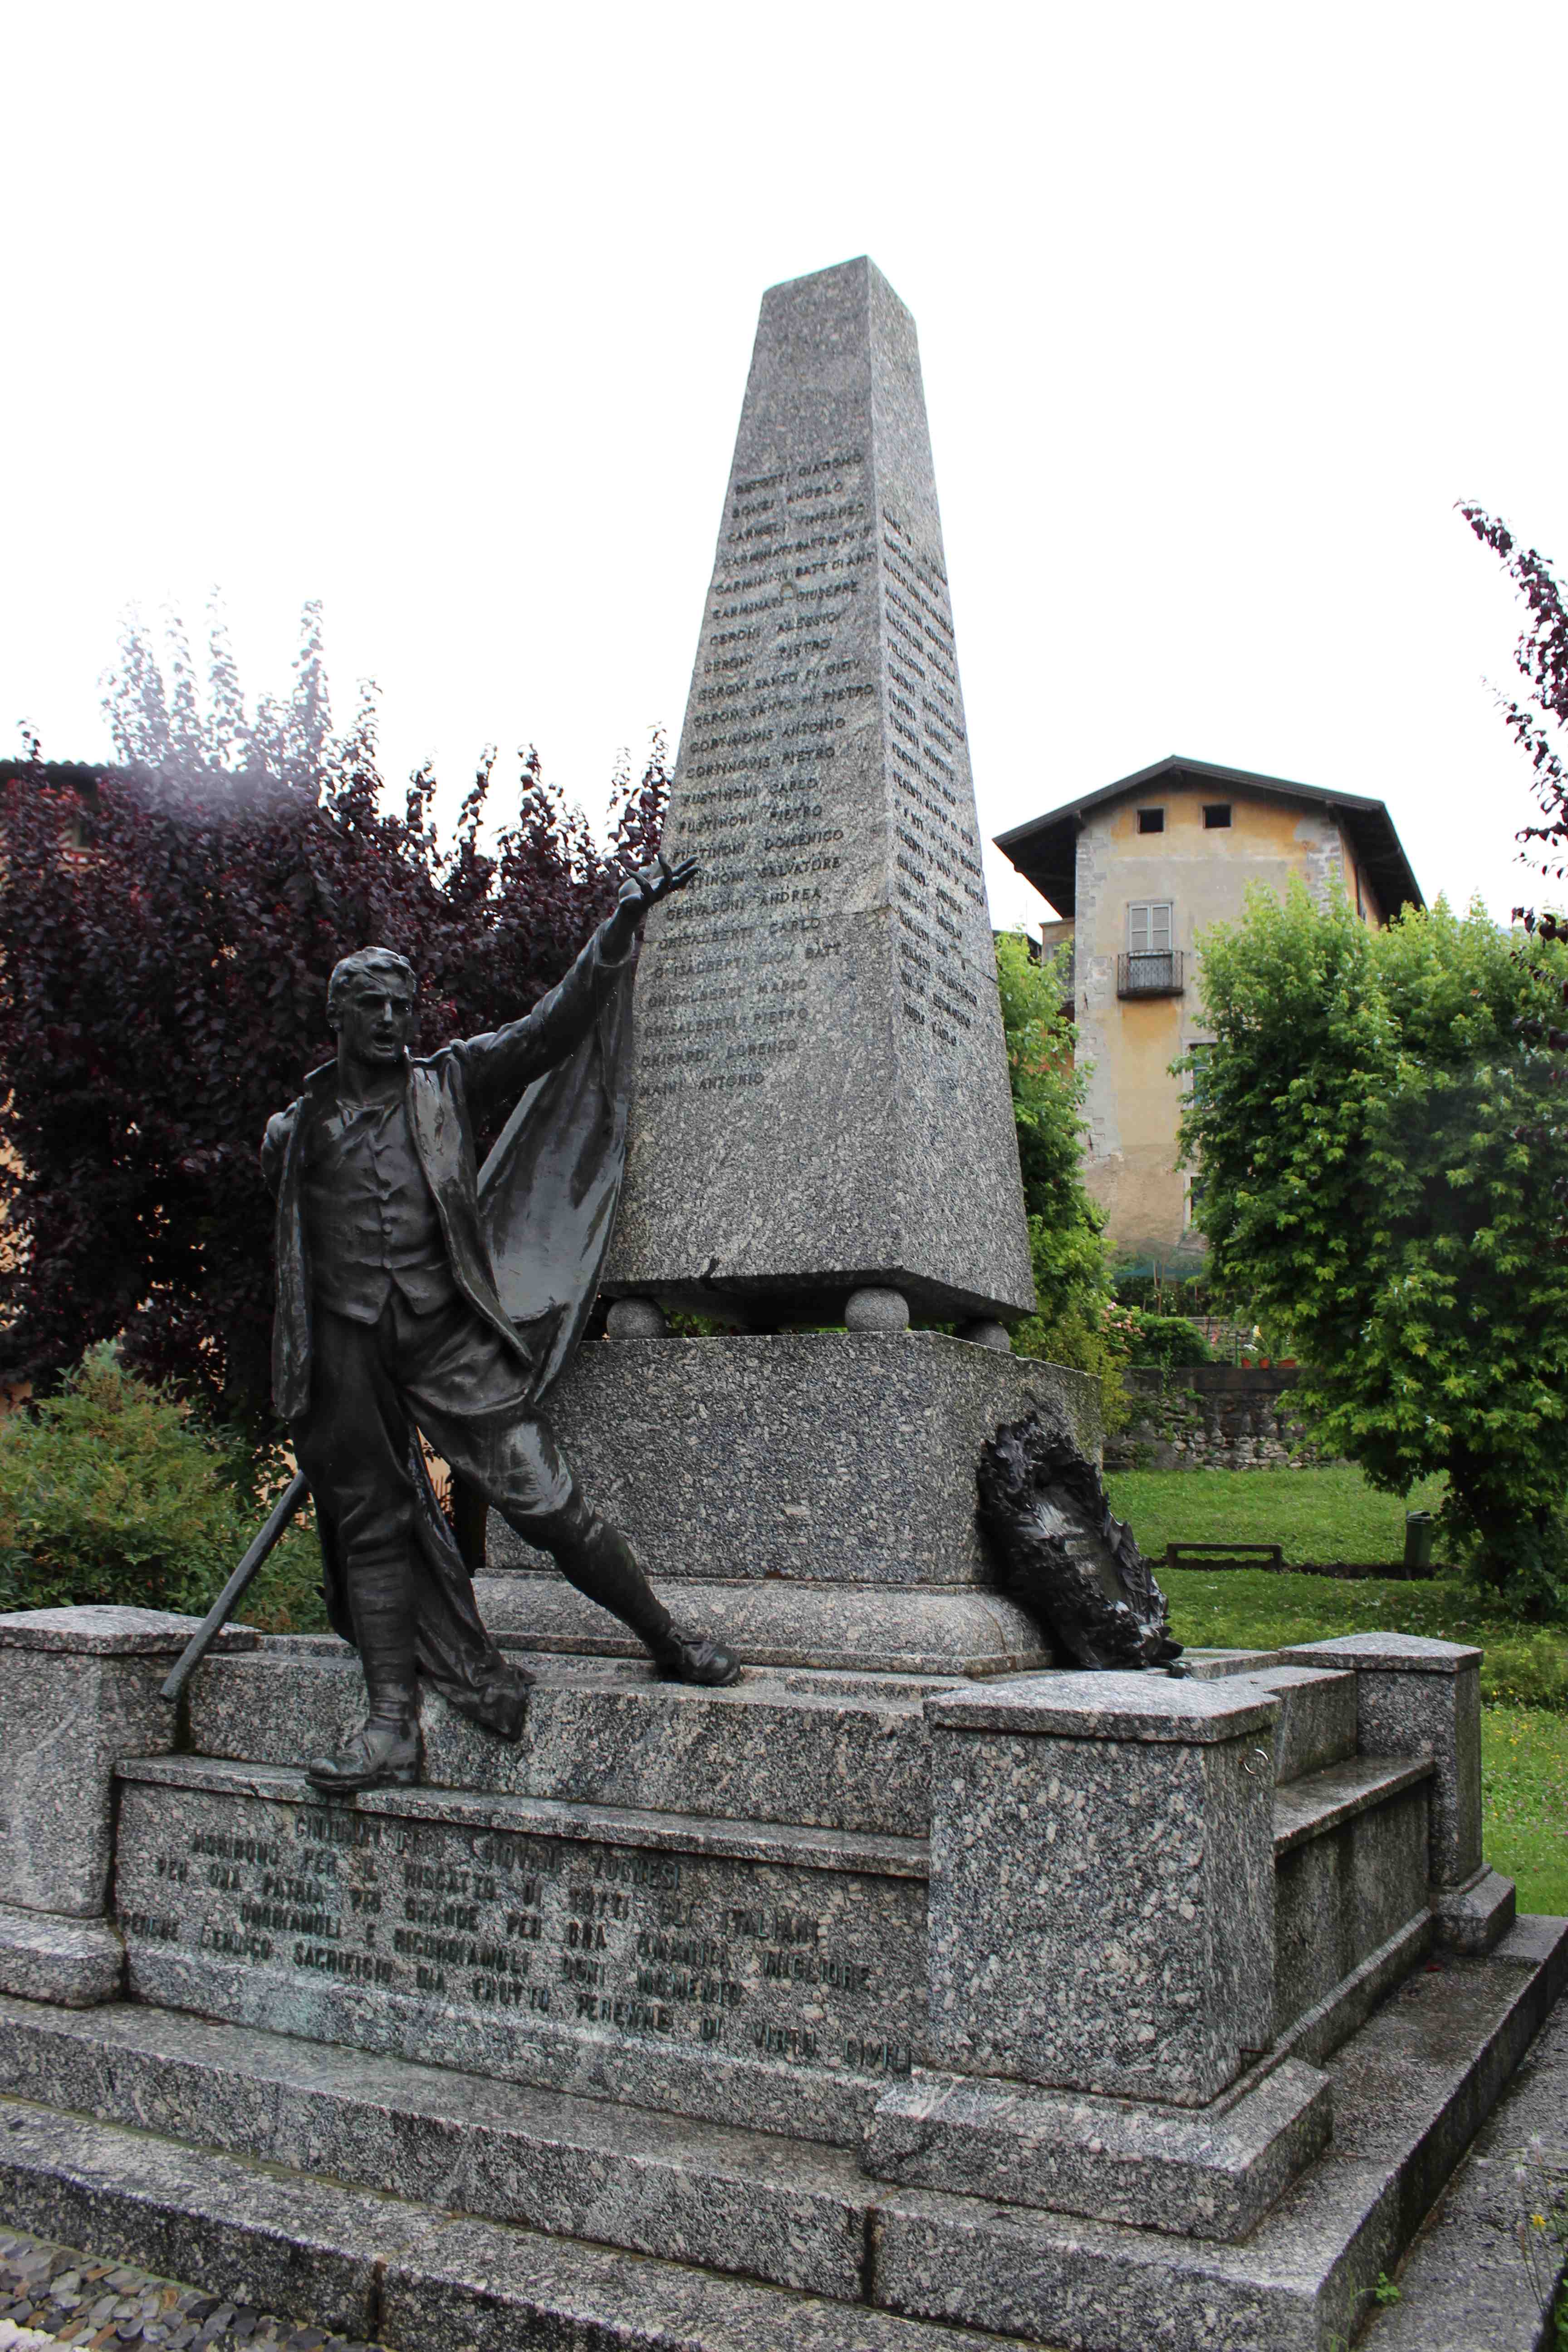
[644,887]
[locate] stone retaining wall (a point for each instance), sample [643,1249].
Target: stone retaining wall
[1211,1417]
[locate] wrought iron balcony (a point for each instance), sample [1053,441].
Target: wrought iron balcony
[1157,974]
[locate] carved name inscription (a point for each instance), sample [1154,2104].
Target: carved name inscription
[944,949]
[820,1088]
[814,1966]
[781,671]
[844,617]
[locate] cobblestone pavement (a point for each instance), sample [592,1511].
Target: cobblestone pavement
[55,2295]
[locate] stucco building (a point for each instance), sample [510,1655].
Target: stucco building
[1136,872]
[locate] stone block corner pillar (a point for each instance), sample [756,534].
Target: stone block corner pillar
[1420,1697]
[1103,1882]
[79,1690]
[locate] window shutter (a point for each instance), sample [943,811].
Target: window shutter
[1149,928]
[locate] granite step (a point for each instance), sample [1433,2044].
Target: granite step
[1466,2284]
[825,1749]
[844,1751]
[1320,1803]
[411,2276]
[427,2271]
[899,1627]
[1351,1869]
[792,2212]
[1317,1721]
[1316,1725]
[795,2213]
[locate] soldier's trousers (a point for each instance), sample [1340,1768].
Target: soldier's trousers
[458,1382]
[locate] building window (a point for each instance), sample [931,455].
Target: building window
[1216,816]
[1149,928]
[1200,1055]
[1152,966]
[1151,820]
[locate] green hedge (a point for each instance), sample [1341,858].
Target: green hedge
[111,1491]
[1168,1340]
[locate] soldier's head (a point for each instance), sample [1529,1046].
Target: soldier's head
[369,1005]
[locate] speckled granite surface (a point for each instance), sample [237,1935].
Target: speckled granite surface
[730,1970]
[831,1457]
[1103,1882]
[821,1097]
[429,2277]
[1415,1696]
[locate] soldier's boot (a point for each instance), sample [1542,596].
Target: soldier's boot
[601,1563]
[383,1751]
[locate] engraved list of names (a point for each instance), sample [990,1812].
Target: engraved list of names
[820,1069]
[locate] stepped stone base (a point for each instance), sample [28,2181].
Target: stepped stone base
[1212,2175]
[681,1958]
[822,1750]
[1464,2286]
[743,2241]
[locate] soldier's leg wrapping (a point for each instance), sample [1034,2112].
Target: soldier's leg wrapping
[353,1447]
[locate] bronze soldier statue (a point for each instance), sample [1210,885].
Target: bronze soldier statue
[415,1294]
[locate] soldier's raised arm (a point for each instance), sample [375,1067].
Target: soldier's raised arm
[503,1060]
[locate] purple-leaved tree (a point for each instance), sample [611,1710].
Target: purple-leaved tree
[166,929]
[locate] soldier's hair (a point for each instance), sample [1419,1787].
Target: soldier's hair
[378,961]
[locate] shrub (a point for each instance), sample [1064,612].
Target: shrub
[167,932]
[1156,1290]
[1167,1340]
[111,1491]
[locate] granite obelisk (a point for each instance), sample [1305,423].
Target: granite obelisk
[821,1100]
[822,1131]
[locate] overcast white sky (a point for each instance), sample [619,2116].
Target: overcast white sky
[443,314]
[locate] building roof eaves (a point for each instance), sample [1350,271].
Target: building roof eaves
[1385,858]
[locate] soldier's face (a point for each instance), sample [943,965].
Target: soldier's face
[375,1020]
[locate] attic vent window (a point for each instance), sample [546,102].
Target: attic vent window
[1217,815]
[1152,820]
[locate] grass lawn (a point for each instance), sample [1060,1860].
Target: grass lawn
[1258,1608]
[1524,1746]
[1333,1515]
[1316,1515]
[1524,1793]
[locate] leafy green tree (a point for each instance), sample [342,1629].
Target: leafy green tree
[1067,1244]
[1381,1149]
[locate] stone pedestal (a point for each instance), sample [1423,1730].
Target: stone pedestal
[1102,1883]
[809,1496]
[1420,1697]
[78,1693]
[1101,1958]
